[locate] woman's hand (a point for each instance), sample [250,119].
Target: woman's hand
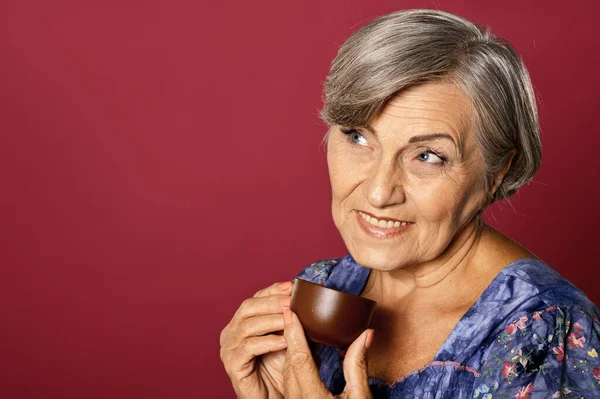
[301,376]
[251,350]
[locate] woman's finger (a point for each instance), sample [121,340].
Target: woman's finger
[291,389]
[255,306]
[300,359]
[260,325]
[281,288]
[241,357]
[242,326]
[355,367]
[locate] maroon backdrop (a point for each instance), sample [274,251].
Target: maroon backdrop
[160,162]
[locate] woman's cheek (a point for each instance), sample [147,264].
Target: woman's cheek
[433,198]
[344,172]
[336,175]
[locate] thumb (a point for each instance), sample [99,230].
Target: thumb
[355,367]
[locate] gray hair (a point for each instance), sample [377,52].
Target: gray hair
[410,47]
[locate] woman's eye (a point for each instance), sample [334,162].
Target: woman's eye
[429,157]
[357,138]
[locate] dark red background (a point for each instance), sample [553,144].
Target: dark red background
[160,162]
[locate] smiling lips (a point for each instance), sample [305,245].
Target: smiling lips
[382,227]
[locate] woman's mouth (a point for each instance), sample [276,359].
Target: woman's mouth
[380,228]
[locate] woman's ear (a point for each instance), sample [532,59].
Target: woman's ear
[500,176]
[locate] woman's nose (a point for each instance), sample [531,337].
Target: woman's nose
[385,187]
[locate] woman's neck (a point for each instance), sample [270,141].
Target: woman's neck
[431,282]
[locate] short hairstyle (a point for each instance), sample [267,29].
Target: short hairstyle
[410,47]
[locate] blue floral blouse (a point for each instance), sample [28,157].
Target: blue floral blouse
[530,335]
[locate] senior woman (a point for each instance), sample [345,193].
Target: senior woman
[431,119]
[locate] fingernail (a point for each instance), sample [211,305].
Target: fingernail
[285,302]
[287,317]
[369,339]
[285,286]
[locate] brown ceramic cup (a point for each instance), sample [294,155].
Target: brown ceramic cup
[329,316]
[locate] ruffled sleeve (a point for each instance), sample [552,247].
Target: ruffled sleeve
[550,353]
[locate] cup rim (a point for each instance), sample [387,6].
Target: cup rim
[334,290]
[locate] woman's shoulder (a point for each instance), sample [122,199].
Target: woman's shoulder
[528,299]
[533,331]
[536,279]
[525,275]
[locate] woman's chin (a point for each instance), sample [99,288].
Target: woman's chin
[378,260]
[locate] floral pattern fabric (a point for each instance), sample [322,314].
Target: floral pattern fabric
[530,335]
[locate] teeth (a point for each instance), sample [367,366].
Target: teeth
[382,224]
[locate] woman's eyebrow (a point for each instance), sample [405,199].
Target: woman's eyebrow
[423,137]
[433,136]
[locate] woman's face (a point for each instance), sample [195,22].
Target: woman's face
[404,188]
